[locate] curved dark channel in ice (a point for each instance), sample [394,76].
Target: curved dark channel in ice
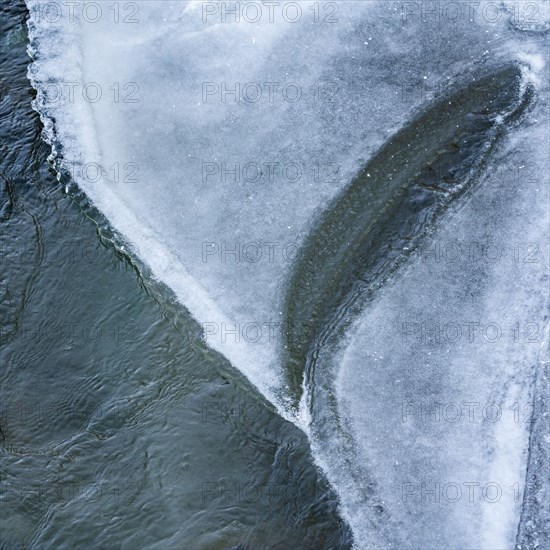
[381,217]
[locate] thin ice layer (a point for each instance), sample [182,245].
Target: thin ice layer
[435,384]
[191,219]
[225,241]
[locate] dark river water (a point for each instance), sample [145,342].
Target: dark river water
[119,427]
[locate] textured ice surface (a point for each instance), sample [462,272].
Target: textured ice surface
[432,378]
[361,79]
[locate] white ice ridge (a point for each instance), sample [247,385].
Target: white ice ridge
[221,141]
